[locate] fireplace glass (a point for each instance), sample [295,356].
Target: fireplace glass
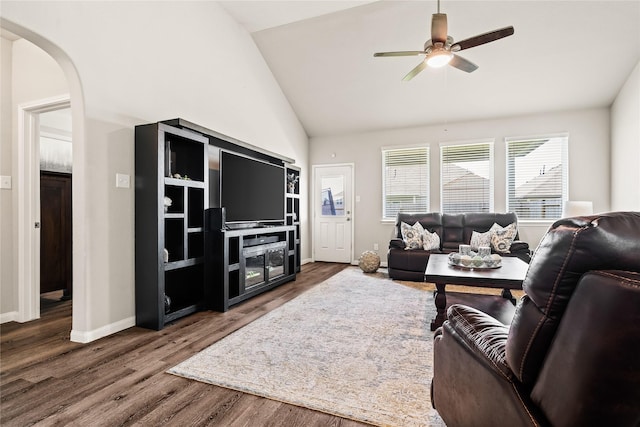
[275,262]
[264,263]
[254,270]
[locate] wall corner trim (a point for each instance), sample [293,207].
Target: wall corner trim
[84,337]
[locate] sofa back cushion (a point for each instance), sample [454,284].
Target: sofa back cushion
[431,222]
[570,248]
[453,233]
[458,228]
[599,386]
[482,222]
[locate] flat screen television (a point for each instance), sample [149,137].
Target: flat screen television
[251,191]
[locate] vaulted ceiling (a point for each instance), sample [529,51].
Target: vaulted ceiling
[564,55]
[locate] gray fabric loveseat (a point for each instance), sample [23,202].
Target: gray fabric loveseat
[453,230]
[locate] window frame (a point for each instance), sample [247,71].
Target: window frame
[426,147]
[491,169]
[565,174]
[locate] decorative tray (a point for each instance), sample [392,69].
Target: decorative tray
[473,261]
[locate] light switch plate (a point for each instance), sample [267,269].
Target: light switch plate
[5,182]
[123,180]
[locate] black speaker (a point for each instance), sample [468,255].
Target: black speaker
[216,218]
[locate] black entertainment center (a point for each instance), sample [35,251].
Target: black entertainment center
[217,221]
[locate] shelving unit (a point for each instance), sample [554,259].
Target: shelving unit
[293,214]
[187,257]
[169,237]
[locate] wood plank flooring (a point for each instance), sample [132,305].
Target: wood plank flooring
[120,380]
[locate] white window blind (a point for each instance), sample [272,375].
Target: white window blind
[537,177]
[466,177]
[405,186]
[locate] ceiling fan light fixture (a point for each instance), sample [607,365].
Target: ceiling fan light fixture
[439,59]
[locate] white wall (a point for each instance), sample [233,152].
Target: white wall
[588,164]
[625,145]
[140,62]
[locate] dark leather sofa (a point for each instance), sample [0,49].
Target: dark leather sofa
[453,229]
[571,356]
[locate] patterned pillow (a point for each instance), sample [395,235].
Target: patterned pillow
[502,237]
[412,235]
[480,239]
[430,241]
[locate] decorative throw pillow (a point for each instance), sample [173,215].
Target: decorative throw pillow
[502,237]
[480,239]
[430,241]
[412,235]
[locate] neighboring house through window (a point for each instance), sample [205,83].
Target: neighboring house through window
[405,180]
[537,176]
[466,177]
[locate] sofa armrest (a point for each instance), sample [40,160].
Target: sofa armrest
[397,243]
[483,336]
[472,383]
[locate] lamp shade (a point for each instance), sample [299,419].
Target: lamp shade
[577,208]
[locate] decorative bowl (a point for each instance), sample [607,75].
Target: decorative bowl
[475,261]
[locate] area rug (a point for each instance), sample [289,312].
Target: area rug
[357,346]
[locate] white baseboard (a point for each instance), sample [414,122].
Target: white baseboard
[88,336]
[11,316]
[306,261]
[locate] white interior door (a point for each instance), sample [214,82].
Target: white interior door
[332,212]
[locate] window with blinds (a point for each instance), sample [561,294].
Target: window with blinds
[537,177]
[466,177]
[405,181]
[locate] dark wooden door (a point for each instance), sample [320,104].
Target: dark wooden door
[55,233]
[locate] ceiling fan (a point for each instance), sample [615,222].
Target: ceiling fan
[440,49]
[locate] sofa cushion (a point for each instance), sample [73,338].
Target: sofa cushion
[483,221]
[479,240]
[601,326]
[431,221]
[430,241]
[502,237]
[412,235]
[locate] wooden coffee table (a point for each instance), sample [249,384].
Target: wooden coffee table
[509,276]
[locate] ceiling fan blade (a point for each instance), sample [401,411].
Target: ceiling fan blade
[482,39]
[421,66]
[439,27]
[463,64]
[400,53]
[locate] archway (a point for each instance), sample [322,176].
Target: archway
[26,239]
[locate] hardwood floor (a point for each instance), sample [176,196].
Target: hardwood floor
[120,380]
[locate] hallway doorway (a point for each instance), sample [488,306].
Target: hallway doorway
[46,138]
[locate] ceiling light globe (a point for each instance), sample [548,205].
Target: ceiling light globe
[439,59]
